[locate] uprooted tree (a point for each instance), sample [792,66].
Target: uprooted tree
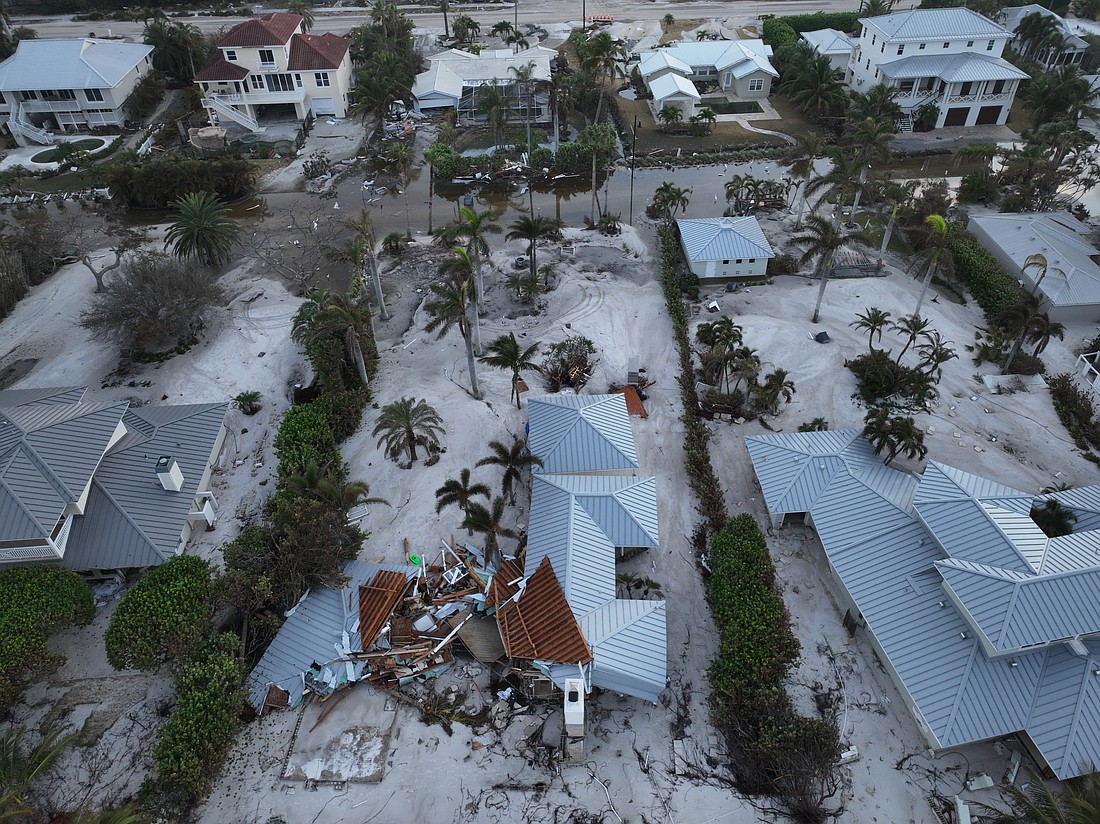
[569,363]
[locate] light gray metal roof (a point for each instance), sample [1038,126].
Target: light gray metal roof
[723,238]
[314,631]
[581,433]
[934,24]
[628,640]
[135,520]
[660,59]
[63,395]
[896,575]
[828,41]
[964,529]
[672,85]
[83,63]
[953,68]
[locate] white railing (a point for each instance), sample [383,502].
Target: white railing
[962,98]
[1088,372]
[260,97]
[17,122]
[916,94]
[226,110]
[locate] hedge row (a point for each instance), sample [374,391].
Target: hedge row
[701,475]
[783,31]
[993,288]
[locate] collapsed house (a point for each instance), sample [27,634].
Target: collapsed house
[548,621]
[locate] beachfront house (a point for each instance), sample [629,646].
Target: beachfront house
[725,248]
[98,486]
[725,76]
[268,69]
[835,45]
[949,59]
[988,627]
[1062,273]
[1062,48]
[68,85]
[453,78]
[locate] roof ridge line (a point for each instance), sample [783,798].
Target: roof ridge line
[958,695]
[27,512]
[152,544]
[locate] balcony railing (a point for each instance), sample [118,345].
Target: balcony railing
[260,97]
[916,94]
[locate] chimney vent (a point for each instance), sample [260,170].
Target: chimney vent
[168,473]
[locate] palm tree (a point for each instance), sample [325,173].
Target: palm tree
[488,521]
[1076,802]
[400,162]
[935,257]
[801,157]
[359,252]
[491,103]
[934,353]
[1055,520]
[896,435]
[600,142]
[723,337]
[1038,262]
[913,327]
[472,226]
[452,306]
[841,181]
[19,767]
[336,315]
[405,424]
[603,55]
[514,460]
[821,241]
[873,8]
[506,353]
[1027,322]
[707,117]
[324,484]
[460,492]
[1043,329]
[1063,94]
[525,78]
[810,82]
[775,387]
[532,230]
[179,49]
[202,229]
[669,197]
[305,9]
[465,28]
[670,116]
[502,30]
[873,321]
[744,366]
[879,103]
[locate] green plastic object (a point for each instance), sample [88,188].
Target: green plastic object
[414,559]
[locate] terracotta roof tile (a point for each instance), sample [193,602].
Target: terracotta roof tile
[377,601]
[501,587]
[273,29]
[540,625]
[311,52]
[221,69]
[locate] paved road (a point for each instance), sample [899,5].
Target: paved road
[530,11]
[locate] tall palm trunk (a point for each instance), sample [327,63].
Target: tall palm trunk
[356,352]
[802,203]
[859,190]
[376,282]
[471,363]
[924,287]
[531,258]
[555,126]
[825,264]
[886,235]
[593,214]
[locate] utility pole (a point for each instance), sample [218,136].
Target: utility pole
[633,154]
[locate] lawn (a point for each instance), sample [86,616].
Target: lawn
[730,135]
[793,122]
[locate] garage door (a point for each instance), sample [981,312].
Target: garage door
[988,115]
[323,105]
[956,117]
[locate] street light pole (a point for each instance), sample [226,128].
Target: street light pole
[633,154]
[515,6]
[584,17]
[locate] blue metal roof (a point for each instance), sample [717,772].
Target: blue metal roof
[934,24]
[581,433]
[723,238]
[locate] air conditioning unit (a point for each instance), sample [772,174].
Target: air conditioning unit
[574,708]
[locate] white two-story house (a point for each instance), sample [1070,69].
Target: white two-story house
[949,58]
[68,85]
[267,68]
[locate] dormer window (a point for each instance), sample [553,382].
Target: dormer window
[231,55]
[970,44]
[989,46]
[267,57]
[901,49]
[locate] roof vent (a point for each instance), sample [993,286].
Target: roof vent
[1014,663]
[169,474]
[1077,648]
[964,635]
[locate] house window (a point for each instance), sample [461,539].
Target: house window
[989,46]
[868,65]
[258,82]
[876,74]
[267,57]
[905,86]
[998,87]
[873,40]
[725,263]
[93,95]
[946,45]
[756,84]
[321,79]
[280,83]
[752,260]
[231,55]
[967,88]
[921,46]
[298,80]
[970,44]
[901,49]
[883,49]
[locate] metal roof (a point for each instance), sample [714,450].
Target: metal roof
[581,433]
[660,59]
[828,41]
[323,626]
[62,395]
[722,54]
[896,576]
[723,238]
[1014,14]
[84,63]
[1073,277]
[377,600]
[135,521]
[628,647]
[953,68]
[934,24]
[672,85]
[537,623]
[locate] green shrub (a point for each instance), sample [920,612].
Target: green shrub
[163,617]
[304,437]
[146,96]
[344,411]
[195,741]
[783,264]
[154,183]
[1075,410]
[35,602]
[992,287]
[783,31]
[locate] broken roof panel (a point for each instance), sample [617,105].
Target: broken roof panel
[539,624]
[581,433]
[377,601]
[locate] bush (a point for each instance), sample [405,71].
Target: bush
[163,617]
[992,287]
[783,31]
[35,602]
[195,741]
[154,183]
[1075,410]
[305,438]
[146,96]
[783,264]
[344,411]
[879,377]
[979,186]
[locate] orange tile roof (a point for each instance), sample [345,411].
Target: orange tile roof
[540,625]
[313,52]
[221,69]
[273,29]
[377,601]
[633,401]
[501,587]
